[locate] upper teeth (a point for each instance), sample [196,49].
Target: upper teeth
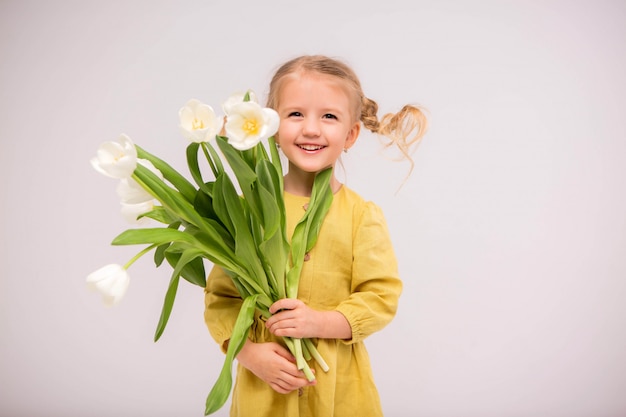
[311,147]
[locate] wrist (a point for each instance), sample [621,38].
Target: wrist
[242,356]
[333,325]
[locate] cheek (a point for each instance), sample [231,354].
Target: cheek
[285,132]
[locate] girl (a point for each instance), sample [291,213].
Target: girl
[349,286]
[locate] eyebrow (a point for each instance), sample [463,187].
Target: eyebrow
[334,110]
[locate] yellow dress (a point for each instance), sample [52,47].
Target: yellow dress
[353,270]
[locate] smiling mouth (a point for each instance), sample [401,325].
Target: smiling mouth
[311,147]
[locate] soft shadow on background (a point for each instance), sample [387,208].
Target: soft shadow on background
[510,232]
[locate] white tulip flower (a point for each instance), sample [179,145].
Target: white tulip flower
[198,121]
[111,281]
[235,99]
[116,159]
[129,190]
[130,212]
[248,124]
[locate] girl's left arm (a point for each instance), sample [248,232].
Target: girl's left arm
[376,284]
[373,300]
[293,318]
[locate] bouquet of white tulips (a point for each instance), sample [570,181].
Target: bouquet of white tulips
[242,231]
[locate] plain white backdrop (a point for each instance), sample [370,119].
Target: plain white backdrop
[510,232]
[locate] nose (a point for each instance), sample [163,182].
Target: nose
[311,127]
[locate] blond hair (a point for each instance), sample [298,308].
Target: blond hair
[403,129]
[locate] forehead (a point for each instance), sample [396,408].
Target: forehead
[303,85]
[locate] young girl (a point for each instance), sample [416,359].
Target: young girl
[349,286]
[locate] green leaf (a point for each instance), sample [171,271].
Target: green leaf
[168,304]
[159,253]
[250,156]
[188,264]
[274,254]
[276,160]
[179,205]
[230,208]
[271,213]
[222,233]
[159,214]
[172,199]
[322,198]
[159,236]
[213,158]
[261,152]
[306,231]
[242,170]
[194,167]
[194,272]
[227,205]
[246,177]
[271,198]
[221,390]
[170,174]
[213,247]
[204,204]
[271,178]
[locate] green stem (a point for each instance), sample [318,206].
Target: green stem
[297,353]
[305,351]
[203,145]
[297,343]
[316,355]
[139,255]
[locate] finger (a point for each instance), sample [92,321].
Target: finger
[291,382]
[283,304]
[287,328]
[280,315]
[285,331]
[281,351]
[278,388]
[284,317]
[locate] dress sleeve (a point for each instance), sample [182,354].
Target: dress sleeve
[222,305]
[376,285]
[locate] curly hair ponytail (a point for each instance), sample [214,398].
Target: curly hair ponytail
[403,129]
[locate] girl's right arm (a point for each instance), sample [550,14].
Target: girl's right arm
[222,305]
[270,361]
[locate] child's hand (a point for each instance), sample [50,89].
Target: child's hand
[292,318]
[273,364]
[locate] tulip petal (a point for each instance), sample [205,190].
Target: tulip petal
[185,115]
[237,98]
[248,124]
[272,121]
[131,212]
[198,121]
[111,281]
[116,159]
[130,192]
[128,145]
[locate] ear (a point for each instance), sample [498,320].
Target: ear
[353,134]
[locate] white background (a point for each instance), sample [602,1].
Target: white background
[510,232]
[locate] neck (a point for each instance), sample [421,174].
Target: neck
[301,183]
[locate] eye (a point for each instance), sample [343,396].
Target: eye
[295,114]
[329,116]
